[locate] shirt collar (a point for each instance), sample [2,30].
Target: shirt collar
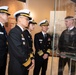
[71,28]
[29,31]
[21,27]
[1,24]
[43,33]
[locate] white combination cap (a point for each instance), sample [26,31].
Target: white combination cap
[24,12]
[4,9]
[32,21]
[44,23]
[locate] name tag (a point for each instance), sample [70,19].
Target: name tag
[1,33]
[40,40]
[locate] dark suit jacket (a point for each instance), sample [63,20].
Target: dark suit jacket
[42,45]
[18,51]
[3,47]
[28,36]
[67,41]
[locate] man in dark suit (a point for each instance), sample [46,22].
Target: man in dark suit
[19,53]
[67,43]
[28,36]
[3,38]
[42,42]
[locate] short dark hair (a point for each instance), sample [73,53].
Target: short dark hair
[69,17]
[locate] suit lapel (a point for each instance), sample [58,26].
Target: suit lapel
[2,29]
[18,28]
[42,36]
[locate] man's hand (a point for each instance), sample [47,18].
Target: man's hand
[33,63]
[45,56]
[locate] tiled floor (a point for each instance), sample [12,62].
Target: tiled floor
[50,71]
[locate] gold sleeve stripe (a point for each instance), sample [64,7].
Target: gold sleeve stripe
[27,62]
[31,55]
[48,51]
[7,43]
[40,53]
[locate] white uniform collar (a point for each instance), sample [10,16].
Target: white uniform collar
[43,33]
[1,24]
[21,27]
[29,31]
[71,28]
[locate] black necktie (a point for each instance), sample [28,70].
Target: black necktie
[45,36]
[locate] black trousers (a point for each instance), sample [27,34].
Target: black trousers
[62,63]
[16,69]
[2,69]
[40,64]
[3,63]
